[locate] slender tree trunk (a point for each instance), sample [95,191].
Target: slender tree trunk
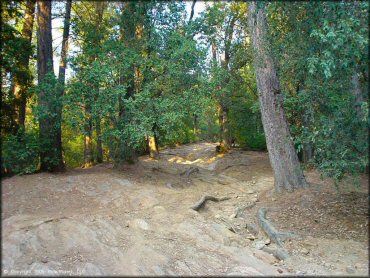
[358,95]
[65,46]
[99,148]
[283,157]
[225,136]
[307,147]
[195,124]
[153,144]
[192,10]
[62,68]
[48,99]
[88,156]
[88,127]
[21,83]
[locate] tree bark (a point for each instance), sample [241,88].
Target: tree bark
[225,136]
[48,98]
[307,147]
[21,83]
[65,46]
[88,156]
[99,8]
[99,147]
[62,67]
[192,10]
[358,95]
[283,157]
[153,143]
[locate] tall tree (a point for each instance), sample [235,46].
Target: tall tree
[48,98]
[95,40]
[22,78]
[225,138]
[284,160]
[63,63]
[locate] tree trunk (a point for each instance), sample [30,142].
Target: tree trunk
[307,147]
[88,156]
[225,138]
[48,99]
[21,83]
[153,144]
[192,10]
[99,8]
[99,148]
[195,125]
[62,67]
[283,157]
[358,95]
[65,45]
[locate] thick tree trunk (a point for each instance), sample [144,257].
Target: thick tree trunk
[283,157]
[51,152]
[20,83]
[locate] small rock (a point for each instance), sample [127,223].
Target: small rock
[251,237]
[259,244]
[44,260]
[267,241]
[280,270]
[300,272]
[273,199]
[252,228]
[250,191]
[304,251]
[255,200]
[217,216]
[232,216]
[253,182]
[234,244]
[357,266]
[169,185]
[350,269]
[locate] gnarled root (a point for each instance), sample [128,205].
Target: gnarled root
[205,198]
[275,236]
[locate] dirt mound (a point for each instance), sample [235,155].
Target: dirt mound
[138,220]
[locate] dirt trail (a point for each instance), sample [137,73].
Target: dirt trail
[137,221]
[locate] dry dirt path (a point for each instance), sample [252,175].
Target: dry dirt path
[137,221]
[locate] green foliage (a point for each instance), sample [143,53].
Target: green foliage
[319,47]
[20,152]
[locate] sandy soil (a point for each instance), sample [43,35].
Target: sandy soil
[137,220]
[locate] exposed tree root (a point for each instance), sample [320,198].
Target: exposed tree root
[229,166]
[205,198]
[190,171]
[278,253]
[275,236]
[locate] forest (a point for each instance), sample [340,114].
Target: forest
[87,85]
